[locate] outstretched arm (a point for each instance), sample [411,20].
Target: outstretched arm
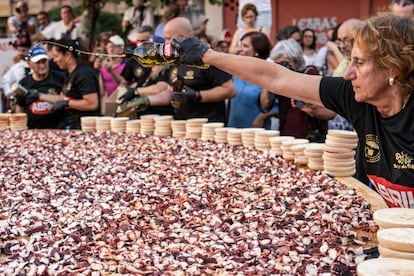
[270,76]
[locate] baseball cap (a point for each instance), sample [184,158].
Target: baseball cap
[37,53]
[117,40]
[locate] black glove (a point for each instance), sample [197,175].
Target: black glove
[31,96]
[191,50]
[129,94]
[139,104]
[59,105]
[186,95]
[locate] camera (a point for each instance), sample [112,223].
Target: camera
[18,10]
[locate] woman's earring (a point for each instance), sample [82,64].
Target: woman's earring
[391,81]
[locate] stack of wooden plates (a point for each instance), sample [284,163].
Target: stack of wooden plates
[395,243]
[261,138]
[386,266]
[118,124]
[314,152]
[4,121]
[88,123]
[162,125]
[288,144]
[133,126]
[178,128]
[103,123]
[299,156]
[208,130]
[248,135]
[193,127]
[18,121]
[276,144]
[147,124]
[221,134]
[234,137]
[394,218]
[339,152]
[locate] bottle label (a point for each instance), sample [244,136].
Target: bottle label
[168,51]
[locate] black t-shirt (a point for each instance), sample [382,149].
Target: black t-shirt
[163,75]
[39,113]
[386,145]
[82,81]
[201,79]
[135,72]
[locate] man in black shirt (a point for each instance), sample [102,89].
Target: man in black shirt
[41,80]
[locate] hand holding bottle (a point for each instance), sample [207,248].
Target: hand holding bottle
[191,50]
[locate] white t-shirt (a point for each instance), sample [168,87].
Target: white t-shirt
[16,72]
[58,29]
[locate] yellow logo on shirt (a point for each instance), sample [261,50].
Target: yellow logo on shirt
[372,151]
[404,161]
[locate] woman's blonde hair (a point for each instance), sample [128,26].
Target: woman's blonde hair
[389,40]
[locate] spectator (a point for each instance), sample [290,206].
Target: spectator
[144,33]
[308,43]
[198,21]
[41,81]
[80,92]
[402,7]
[244,109]
[172,10]
[141,13]
[66,28]
[21,20]
[264,9]
[288,32]
[205,90]
[43,20]
[329,56]
[345,47]
[307,120]
[222,46]
[112,67]
[249,14]
[20,69]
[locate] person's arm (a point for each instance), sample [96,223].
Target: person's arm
[153,89]
[234,47]
[261,117]
[89,102]
[316,111]
[268,75]
[218,93]
[37,36]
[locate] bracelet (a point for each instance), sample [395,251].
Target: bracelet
[136,92]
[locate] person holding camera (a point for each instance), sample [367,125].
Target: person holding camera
[297,118]
[42,81]
[21,20]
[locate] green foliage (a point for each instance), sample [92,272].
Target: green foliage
[108,21]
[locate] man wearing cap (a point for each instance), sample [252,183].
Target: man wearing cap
[112,67]
[40,82]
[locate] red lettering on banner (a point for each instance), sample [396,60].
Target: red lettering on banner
[394,195]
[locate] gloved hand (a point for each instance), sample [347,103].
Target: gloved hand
[191,50]
[59,105]
[129,94]
[139,104]
[186,95]
[31,96]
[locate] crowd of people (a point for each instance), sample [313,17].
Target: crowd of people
[62,88]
